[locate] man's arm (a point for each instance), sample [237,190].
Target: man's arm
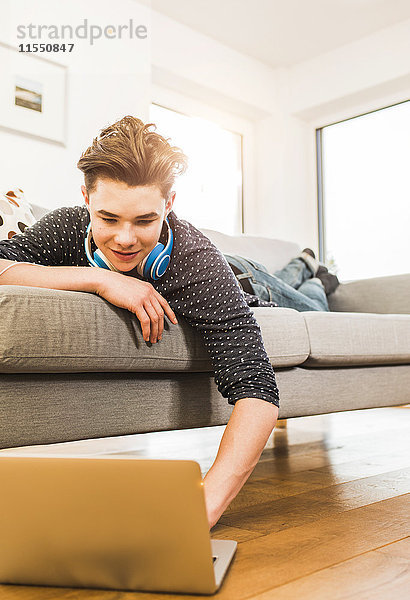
[248,429]
[210,298]
[76,279]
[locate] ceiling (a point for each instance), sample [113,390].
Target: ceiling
[282,33]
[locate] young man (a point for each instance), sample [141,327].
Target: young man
[129,172]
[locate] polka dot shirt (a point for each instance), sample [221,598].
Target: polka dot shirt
[198,284]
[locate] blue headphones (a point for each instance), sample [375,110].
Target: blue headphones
[152,267]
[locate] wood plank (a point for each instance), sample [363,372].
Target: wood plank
[274,464]
[401,549]
[224,532]
[286,445]
[267,490]
[342,425]
[21,592]
[349,471]
[376,575]
[335,474]
[280,557]
[294,511]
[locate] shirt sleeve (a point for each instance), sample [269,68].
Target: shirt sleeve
[51,241]
[209,297]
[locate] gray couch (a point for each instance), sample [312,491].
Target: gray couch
[73,366]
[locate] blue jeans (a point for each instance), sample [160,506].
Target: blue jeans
[294,286]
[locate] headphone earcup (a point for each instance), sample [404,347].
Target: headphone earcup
[161,265]
[149,264]
[157,261]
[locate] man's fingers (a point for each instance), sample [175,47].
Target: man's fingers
[160,312]
[154,318]
[168,310]
[145,322]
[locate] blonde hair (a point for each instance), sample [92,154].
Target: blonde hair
[129,152]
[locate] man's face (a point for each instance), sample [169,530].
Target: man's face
[133,227]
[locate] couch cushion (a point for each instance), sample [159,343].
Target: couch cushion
[51,331]
[388,294]
[351,339]
[284,335]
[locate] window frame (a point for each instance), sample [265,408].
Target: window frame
[321,204]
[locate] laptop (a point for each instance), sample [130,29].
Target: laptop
[117,523]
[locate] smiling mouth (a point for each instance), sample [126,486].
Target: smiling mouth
[125,254]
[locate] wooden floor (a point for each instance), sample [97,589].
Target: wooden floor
[325,514]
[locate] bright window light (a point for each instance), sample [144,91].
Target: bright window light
[366,194]
[209,194]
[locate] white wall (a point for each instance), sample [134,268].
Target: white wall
[106,81]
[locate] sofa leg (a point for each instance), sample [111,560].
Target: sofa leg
[281,423]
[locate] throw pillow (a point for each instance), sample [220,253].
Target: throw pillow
[15,213]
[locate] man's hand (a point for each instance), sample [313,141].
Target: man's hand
[140,298]
[245,436]
[214,503]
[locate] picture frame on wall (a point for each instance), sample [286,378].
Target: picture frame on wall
[33,95]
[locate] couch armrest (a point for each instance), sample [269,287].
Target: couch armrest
[388,295]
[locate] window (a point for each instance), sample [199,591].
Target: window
[364,194]
[209,194]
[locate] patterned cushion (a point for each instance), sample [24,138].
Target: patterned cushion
[15,213]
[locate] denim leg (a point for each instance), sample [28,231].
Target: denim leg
[272,288]
[314,289]
[295,272]
[286,296]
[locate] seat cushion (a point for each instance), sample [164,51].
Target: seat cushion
[352,339]
[56,331]
[389,295]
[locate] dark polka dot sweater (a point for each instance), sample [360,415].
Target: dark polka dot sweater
[198,284]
